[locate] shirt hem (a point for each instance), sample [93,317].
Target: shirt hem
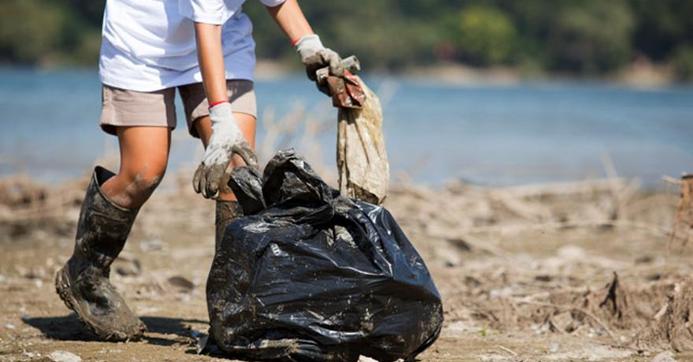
[109,82]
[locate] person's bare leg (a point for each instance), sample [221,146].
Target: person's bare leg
[143,158]
[247,124]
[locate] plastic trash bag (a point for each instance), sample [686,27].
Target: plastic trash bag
[309,275]
[364,171]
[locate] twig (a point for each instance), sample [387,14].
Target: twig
[578,309]
[473,242]
[508,350]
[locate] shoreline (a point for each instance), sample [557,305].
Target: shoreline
[634,76]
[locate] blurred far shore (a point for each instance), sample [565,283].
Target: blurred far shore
[639,74]
[634,42]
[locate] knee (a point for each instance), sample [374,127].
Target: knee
[142,182]
[131,187]
[146,180]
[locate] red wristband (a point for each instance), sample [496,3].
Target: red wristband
[216,103]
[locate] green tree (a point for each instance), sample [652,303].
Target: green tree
[30,30]
[683,63]
[591,36]
[662,26]
[484,35]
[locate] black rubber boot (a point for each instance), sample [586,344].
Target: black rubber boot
[227,211]
[83,282]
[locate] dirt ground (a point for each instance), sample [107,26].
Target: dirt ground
[560,272]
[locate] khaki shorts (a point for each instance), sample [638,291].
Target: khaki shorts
[122,107]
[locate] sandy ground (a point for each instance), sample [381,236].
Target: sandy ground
[580,271]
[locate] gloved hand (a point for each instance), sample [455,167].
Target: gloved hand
[315,56]
[212,176]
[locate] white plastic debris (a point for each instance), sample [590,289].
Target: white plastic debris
[64,356]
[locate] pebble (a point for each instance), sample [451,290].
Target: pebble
[182,284]
[127,267]
[571,252]
[554,347]
[63,356]
[151,245]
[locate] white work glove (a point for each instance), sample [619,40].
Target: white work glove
[212,176]
[315,56]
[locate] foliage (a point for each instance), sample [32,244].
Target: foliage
[484,35]
[591,37]
[683,63]
[567,36]
[30,31]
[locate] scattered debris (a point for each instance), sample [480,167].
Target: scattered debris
[666,356]
[63,356]
[671,326]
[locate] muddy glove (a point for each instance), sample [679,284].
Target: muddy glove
[315,56]
[213,174]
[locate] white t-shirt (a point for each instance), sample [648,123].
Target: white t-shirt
[149,45]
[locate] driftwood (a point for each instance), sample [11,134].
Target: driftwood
[683,220]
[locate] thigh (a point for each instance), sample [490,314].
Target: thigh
[144,150]
[242,99]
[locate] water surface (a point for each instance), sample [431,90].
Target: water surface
[499,135]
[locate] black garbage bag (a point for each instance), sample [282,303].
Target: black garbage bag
[309,275]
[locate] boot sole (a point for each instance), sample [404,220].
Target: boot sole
[64,290]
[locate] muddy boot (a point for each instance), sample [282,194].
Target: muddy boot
[227,211]
[83,282]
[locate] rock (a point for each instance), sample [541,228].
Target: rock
[127,266]
[63,356]
[182,284]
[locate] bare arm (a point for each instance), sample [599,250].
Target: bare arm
[313,54]
[291,20]
[226,139]
[211,59]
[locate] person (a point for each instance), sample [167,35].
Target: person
[149,49]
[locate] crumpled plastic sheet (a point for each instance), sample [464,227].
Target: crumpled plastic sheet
[309,275]
[364,172]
